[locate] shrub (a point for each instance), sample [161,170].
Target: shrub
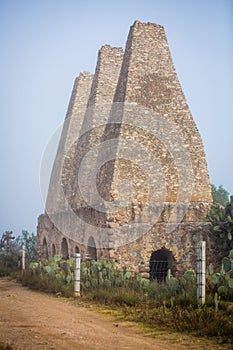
[6,347]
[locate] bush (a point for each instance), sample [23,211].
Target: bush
[6,347]
[52,276]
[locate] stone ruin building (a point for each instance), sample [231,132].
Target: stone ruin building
[127,86]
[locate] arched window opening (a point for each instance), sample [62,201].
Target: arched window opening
[45,252]
[64,249]
[91,249]
[160,262]
[77,249]
[53,249]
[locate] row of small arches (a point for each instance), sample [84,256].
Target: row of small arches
[161,261]
[91,253]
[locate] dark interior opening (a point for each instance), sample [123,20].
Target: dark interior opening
[64,249]
[91,250]
[45,249]
[160,262]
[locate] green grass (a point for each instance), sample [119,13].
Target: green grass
[45,283]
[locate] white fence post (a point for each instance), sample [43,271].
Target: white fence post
[201,272]
[77,263]
[23,257]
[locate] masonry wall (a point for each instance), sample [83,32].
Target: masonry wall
[144,77]
[99,103]
[148,79]
[152,82]
[56,202]
[64,161]
[78,137]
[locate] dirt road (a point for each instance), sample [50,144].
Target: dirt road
[31,320]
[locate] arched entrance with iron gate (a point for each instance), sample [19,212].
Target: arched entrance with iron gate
[161,261]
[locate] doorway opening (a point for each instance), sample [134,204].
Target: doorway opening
[45,249]
[53,249]
[161,261]
[64,249]
[91,249]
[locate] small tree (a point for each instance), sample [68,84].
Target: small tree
[11,249]
[29,240]
[9,253]
[6,241]
[220,195]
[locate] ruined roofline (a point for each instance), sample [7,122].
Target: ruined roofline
[146,24]
[74,93]
[107,46]
[106,76]
[84,74]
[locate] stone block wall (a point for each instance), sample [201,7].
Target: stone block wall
[153,83]
[60,176]
[134,98]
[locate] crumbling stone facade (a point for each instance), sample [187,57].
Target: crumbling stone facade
[129,86]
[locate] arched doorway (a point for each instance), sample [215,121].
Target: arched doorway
[91,249]
[160,262]
[76,250]
[53,249]
[45,252]
[64,249]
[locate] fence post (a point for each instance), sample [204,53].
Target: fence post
[201,272]
[77,262]
[23,257]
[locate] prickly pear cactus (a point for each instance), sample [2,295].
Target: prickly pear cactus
[190,275]
[226,263]
[221,224]
[173,285]
[224,279]
[105,274]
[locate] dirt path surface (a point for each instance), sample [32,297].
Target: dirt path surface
[32,320]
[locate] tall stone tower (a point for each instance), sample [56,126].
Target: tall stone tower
[130,179]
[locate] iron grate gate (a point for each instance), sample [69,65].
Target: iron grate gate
[158,270]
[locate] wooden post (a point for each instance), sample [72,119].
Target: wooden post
[77,263]
[23,257]
[201,272]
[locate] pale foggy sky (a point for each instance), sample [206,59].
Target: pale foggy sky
[46,43]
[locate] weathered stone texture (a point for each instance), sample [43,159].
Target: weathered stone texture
[106,75]
[68,142]
[142,76]
[101,97]
[148,78]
